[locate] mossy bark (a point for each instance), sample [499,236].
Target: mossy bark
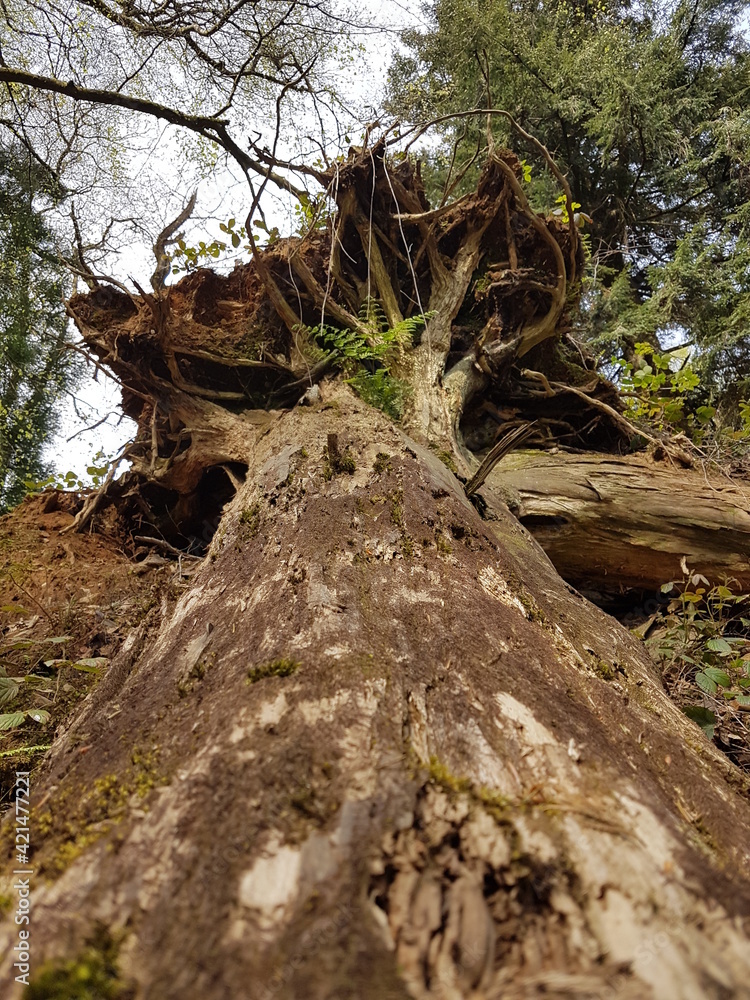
[449,796]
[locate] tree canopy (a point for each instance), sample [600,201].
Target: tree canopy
[645,107]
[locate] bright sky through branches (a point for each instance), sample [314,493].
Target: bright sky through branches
[361,79]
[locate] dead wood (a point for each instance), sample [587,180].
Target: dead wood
[375,745]
[614,522]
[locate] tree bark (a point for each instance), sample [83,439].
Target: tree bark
[380,749]
[377,748]
[611,522]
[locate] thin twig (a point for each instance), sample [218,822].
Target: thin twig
[160,543]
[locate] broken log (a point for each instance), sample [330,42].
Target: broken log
[616,522]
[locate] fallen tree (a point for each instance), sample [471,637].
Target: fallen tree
[373,745]
[618,522]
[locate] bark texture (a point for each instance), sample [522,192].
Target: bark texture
[610,522]
[379,749]
[375,747]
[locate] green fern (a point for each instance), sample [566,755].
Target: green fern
[349,344]
[371,313]
[378,342]
[381,344]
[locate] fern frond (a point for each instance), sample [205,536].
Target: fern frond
[371,313]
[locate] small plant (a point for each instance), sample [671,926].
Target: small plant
[382,463]
[97,471]
[187,257]
[38,684]
[382,391]
[283,667]
[368,353]
[311,213]
[657,392]
[250,518]
[562,209]
[91,975]
[703,646]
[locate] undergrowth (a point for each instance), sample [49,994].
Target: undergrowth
[702,644]
[663,392]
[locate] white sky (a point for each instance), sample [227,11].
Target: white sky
[98,399]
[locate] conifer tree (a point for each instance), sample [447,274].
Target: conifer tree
[35,366]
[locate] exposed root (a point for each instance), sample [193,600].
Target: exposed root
[199,355]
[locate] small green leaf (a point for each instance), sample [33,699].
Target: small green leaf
[705,718]
[718,676]
[8,690]
[719,646]
[705,683]
[12,721]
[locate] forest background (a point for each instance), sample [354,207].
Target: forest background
[644,107]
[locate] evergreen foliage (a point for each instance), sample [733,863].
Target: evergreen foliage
[645,106]
[35,367]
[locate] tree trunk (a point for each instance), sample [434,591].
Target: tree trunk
[611,522]
[377,748]
[380,749]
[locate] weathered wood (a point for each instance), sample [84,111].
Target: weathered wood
[610,522]
[378,750]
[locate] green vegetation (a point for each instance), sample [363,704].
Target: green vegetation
[368,353]
[447,459]
[36,366]
[80,820]
[92,975]
[250,518]
[645,109]
[335,464]
[703,646]
[34,678]
[96,472]
[382,463]
[276,668]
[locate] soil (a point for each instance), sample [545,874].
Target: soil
[63,596]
